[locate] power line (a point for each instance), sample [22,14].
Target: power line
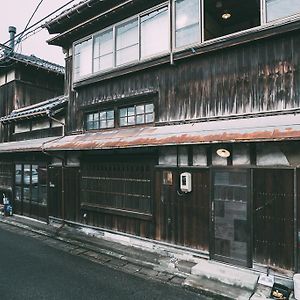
[41,20]
[31,18]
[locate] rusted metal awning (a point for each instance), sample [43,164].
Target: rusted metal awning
[267,128]
[25,146]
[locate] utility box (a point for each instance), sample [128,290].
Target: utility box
[186,182]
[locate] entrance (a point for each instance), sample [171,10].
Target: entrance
[64,191]
[230,216]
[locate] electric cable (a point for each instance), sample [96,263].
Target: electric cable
[22,33]
[38,22]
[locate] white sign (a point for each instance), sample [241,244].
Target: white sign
[267,280]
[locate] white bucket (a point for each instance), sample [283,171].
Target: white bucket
[297,286]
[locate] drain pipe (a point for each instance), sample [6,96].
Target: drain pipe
[171,32]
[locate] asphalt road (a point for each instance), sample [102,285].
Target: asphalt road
[31,269]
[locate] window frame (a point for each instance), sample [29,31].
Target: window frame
[201,27]
[172,49]
[134,105]
[264,21]
[98,112]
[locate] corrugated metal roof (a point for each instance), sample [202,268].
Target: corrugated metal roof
[37,109]
[25,146]
[267,128]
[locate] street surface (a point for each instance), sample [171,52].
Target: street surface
[32,268]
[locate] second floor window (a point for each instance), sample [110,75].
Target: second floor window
[187,22]
[154,32]
[148,33]
[127,42]
[277,9]
[100,120]
[137,114]
[83,59]
[103,51]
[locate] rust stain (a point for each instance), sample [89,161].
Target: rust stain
[98,141]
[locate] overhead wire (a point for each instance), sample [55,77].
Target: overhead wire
[38,22]
[22,33]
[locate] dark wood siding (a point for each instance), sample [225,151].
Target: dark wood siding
[116,193]
[273,217]
[260,75]
[183,219]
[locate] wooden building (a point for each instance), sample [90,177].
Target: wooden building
[30,97]
[183,125]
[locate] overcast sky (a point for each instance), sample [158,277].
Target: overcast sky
[18,12]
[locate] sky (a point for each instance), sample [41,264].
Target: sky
[18,12]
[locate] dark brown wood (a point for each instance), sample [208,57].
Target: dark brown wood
[183,219]
[250,78]
[273,221]
[116,193]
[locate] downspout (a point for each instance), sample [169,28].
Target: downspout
[171,32]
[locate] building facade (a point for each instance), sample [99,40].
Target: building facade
[183,125]
[30,96]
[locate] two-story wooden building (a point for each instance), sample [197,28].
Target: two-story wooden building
[183,124]
[31,95]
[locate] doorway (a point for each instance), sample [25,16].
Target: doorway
[230,221]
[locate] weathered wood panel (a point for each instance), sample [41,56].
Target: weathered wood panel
[261,75]
[116,193]
[273,217]
[72,194]
[183,219]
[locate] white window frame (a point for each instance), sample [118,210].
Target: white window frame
[201,27]
[171,6]
[263,9]
[113,27]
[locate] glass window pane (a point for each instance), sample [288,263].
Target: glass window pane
[123,112]
[110,124]
[106,42]
[187,22]
[127,42]
[127,55]
[89,125]
[96,116]
[106,62]
[90,117]
[155,32]
[103,124]
[149,108]
[130,111]
[277,9]
[123,121]
[149,118]
[131,120]
[18,174]
[140,119]
[103,115]
[140,109]
[34,174]
[110,114]
[83,58]
[27,174]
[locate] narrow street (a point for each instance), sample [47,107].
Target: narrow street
[32,269]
